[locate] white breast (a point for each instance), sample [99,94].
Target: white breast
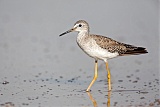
[90,47]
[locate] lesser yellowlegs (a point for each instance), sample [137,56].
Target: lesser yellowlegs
[101,48]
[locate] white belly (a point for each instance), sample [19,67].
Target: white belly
[92,49]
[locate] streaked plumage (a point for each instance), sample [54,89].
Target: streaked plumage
[101,47]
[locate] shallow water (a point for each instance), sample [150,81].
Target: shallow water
[49,89]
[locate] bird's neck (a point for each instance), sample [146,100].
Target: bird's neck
[82,35]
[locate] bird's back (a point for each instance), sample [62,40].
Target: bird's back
[114,46]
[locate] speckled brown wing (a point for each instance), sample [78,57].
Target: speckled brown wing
[114,46]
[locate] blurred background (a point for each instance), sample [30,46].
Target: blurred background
[31,49]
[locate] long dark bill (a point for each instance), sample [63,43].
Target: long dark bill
[66,32]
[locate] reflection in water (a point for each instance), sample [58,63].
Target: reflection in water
[94,101]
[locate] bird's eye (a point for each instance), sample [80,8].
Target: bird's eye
[80,25]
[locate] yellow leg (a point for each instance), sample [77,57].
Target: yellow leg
[95,75]
[109,77]
[109,101]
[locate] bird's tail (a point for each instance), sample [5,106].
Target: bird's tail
[132,50]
